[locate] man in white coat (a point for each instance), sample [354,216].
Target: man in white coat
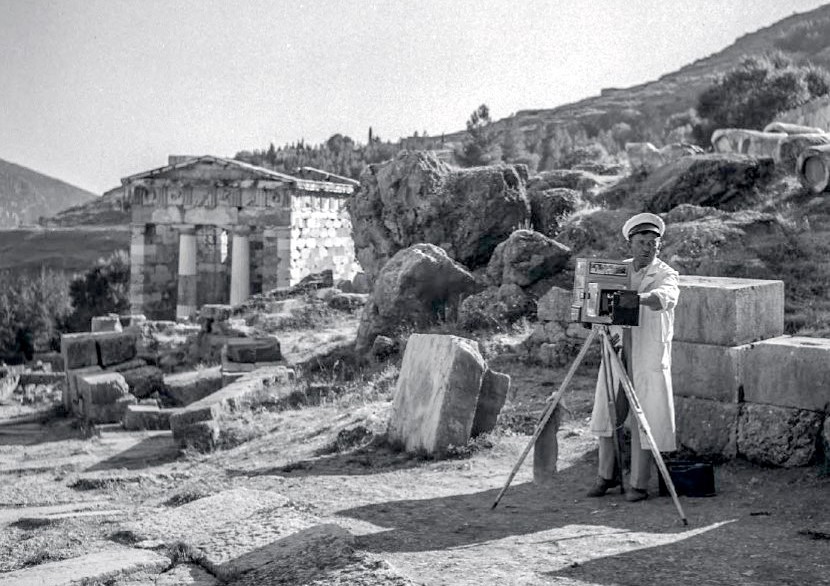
[647,349]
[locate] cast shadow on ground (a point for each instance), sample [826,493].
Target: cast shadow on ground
[526,508]
[376,458]
[154,450]
[39,428]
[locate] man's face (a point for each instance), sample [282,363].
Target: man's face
[644,248]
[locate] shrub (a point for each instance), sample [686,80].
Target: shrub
[751,95]
[102,289]
[31,310]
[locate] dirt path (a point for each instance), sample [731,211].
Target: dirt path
[366,515]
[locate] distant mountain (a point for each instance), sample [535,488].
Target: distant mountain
[26,195]
[111,209]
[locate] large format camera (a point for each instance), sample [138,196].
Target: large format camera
[602,293]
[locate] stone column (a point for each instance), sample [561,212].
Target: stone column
[137,253]
[240,265]
[186,304]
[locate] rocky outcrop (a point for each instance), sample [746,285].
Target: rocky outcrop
[724,181]
[706,241]
[519,271]
[418,286]
[644,156]
[578,180]
[417,198]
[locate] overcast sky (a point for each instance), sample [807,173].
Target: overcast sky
[95,90]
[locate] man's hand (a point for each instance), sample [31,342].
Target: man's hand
[616,342]
[651,301]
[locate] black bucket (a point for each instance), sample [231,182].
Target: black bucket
[693,479]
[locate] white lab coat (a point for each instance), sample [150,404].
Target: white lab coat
[651,362]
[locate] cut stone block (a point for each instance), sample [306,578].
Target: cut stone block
[778,436]
[137,417]
[100,397]
[184,388]
[196,424]
[71,395]
[728,312]
[437,393]
[129,365]
[253,350]
[101,567]
[41,378]
[789,371]
[707,371]
[144,380]
[707,428]
[105,323]
[78,351]
[494,389]
[116,347]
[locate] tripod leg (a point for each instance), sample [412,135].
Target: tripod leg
[634,403]
[552,401]
[610,397]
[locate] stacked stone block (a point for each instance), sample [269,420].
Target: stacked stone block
[104,375]
[244,355]
[198,425]
[741,388]
[556,340]
[320,237]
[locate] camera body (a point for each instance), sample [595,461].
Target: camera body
[602,293]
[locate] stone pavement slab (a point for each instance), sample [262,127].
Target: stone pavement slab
[100,567]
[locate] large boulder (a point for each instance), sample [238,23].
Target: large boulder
[525,258]
[596,232]
[725,181]
[495,306]
[549,207]
[417,198]
[418,286]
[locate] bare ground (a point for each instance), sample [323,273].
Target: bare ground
[66,490]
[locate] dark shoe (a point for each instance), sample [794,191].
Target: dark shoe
[634,495]
[602,486]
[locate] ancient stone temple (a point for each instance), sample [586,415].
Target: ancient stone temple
[214,230]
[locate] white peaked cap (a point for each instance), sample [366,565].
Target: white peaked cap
[647,222]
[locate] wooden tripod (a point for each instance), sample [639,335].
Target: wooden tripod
[613,360]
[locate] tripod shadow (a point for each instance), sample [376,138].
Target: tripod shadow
[468,519]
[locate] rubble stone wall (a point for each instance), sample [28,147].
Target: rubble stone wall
[321,237]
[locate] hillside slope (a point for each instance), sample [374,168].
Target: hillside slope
[26,195]
[647,107]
